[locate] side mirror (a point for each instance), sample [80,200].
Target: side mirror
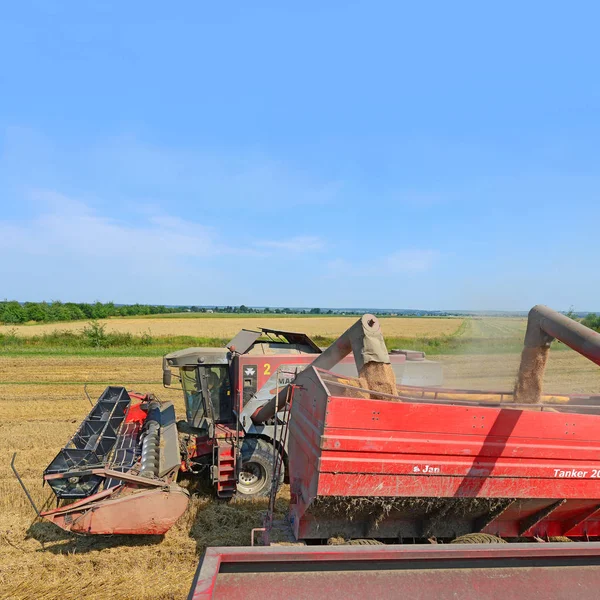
[166,375]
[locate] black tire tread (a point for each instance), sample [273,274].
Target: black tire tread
[257,447]
[478,538]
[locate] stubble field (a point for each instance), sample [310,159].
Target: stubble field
[42,402]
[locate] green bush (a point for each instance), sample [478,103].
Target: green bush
[12,312]
[592,320]
[96,334]
[146,338]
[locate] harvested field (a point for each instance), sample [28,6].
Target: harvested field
[496,327]
[42,402]
[73,369]
[566,372]
[216,327]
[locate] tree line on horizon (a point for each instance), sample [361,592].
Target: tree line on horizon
[15,313]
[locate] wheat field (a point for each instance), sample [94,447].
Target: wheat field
[41,404]
[227,327]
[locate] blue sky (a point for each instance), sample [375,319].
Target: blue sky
[427,155]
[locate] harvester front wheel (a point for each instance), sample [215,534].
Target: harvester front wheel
[257,469]
[478,538]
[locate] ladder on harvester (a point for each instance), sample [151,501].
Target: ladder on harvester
[224,470]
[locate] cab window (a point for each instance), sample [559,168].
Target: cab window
[219,390]
[194,405]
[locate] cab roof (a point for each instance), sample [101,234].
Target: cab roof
[246,341]
[194,356]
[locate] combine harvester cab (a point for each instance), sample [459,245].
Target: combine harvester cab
[117,473]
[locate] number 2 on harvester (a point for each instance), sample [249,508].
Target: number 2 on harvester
[267,370]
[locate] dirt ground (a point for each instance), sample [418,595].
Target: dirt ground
[41,404]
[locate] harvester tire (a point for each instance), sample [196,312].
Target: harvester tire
[257,469]
[363,543]
[478,538]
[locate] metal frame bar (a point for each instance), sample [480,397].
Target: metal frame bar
[571,524]
[480,523]
[77,505]
[109,473]
[14,469]
[531,521]
[203,586]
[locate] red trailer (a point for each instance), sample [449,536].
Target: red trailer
[428,466]
[440,463]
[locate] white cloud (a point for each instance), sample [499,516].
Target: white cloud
[69,249]
[299,243]
[119,219]
[411,261]
[408,261]
[65,226]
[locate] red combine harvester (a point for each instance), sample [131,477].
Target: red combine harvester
[428,471]
[118,473]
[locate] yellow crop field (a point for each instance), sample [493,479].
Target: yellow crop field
[227,327]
